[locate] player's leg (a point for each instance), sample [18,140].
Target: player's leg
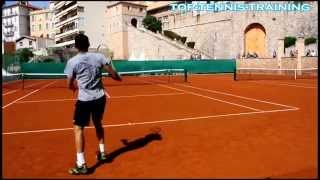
[97,116]
[81,119]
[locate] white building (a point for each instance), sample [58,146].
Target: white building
[73,17]
[51,31]
[16,21]
[2,43]
[34,43]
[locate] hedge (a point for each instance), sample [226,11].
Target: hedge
[289,41]
[310,40]
[171,35]
[191,44]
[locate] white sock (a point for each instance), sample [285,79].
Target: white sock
[101,147]
[80,159]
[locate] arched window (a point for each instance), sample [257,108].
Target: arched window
[134,22]
[255,40]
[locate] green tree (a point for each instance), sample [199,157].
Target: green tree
[24,54]
[152,23]
[289,41]
[310,40]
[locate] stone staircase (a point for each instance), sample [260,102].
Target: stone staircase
[172,43]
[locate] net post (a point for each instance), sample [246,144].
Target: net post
[169,75]
[295,74]
[22,76]
[235,74]
[185,75]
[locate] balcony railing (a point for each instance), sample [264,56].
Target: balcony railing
[9,34]
[10,14]
[67,33]
[67,16]
[7,25]
[66,11]
[58,25]
[59,4]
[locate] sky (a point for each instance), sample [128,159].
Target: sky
[40,4]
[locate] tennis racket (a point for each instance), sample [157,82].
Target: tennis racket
[103,49]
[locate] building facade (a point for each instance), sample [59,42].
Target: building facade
[73,17]
[16,21]
[120,15]
[41,23]
[228,34]
[33,43]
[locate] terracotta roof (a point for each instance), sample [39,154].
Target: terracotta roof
[28,37]
[22,5]
[33,37]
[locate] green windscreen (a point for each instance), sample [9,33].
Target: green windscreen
[192,66]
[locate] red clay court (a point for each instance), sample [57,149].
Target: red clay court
[208,127]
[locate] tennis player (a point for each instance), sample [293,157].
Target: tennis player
[86,69]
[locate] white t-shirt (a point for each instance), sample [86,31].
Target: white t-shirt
[87,69]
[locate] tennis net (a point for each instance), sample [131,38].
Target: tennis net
[149,77]
[275,74]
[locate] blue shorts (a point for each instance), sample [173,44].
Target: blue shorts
[85,109]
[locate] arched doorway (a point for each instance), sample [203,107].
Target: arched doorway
[134,22]
[255,39]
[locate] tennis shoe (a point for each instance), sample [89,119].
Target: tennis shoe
[79,170]
[101,156]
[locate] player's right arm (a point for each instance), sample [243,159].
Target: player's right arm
[112,72]
[106,64]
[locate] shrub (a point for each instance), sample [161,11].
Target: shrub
[183,39]
[48,60]
[191,44]
[24,54]
[310,40]
[152,23]
[289,41]
[172,35]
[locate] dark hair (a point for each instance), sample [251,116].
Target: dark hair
[82,42]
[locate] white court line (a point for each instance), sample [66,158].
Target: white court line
[286,84]
[113,97]
[200,95]
[152,122]
[148,95]
[48,100]
[28,95]
[242,97]
[13,91]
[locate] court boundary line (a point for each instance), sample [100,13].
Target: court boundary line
[13,102]
[287,84]
[111,97]
[208,97]
[238,96]
[154,122]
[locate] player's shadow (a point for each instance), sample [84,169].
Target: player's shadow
[128,146]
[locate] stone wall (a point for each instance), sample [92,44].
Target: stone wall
[288,63]
[222,33]
[272,63]
[309,62]
[268,63]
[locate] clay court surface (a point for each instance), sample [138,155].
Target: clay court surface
[209,127]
